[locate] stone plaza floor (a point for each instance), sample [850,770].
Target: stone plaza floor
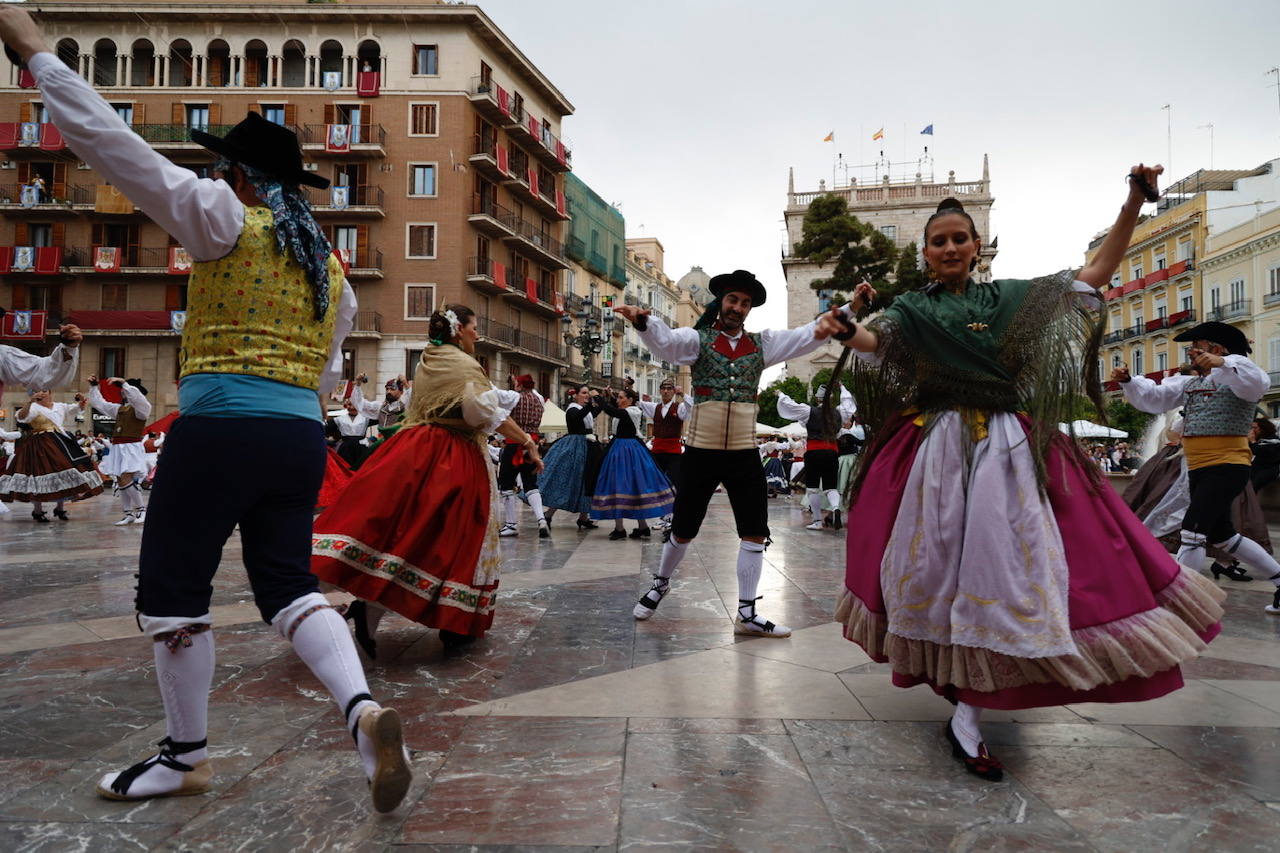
[572,727]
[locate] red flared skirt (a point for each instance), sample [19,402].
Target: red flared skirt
[408,530]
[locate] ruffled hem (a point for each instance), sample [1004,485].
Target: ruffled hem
[58,485]
[1137,646]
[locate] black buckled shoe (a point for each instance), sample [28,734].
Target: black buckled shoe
[1233,571]
[984,765]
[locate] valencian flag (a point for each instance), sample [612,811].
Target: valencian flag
[879,134]
[928,131]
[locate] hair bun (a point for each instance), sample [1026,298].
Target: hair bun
[950,204]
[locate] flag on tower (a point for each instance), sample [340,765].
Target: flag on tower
[928,131]
[879,134]
[830,137]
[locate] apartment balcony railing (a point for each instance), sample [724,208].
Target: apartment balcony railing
[618,275]
[546,247]
[1156,325]
[367,139]
[1179,317]
[575,248]
[368,266]
[597,263]
[46,202]
[488,275]
[490,217]
[363,200]
[1271,298]
[1115,337]
[167,135]
[889,192]
[1231,311]
[133,260]
[507,336]
[367,324]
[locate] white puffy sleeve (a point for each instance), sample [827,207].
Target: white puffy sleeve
[134,397]
[98,402]
[487,409]
[790,409]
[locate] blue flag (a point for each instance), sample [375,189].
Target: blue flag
[927,131]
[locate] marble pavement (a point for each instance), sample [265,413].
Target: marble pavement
[572,727]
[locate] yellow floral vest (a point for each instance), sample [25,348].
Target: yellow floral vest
[251,313]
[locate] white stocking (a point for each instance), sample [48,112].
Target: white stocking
[965,726]
[535,504]
[509,507]
[833,499]
[1252,555]
[672,553]
[750,565]
[815,503]
[1192,553]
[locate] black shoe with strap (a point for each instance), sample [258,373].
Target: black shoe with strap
[61,514]
[617,534]
[39,516]
[167,757]
[641,533]
[1233,571]
[984,765]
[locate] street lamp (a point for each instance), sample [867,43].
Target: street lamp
[588,341]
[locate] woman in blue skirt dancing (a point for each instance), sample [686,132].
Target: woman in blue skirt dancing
[630,484]
[568,481]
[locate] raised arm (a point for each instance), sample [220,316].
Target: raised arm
[366,407]
[56,370]
[1146,396]
[1099,271]
[791,410]
[678,346]
[134,397]
[99,403]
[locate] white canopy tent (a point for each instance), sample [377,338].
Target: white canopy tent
[553,418]
[794,430]
[1088,429]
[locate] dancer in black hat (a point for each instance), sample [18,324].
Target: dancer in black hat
[1218,398]
[258,252]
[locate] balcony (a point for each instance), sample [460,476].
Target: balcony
[597,263]
[491,100]
[368,324]
[488,275]
[1271,299]
[125,323]
[1115,337]
[365,140]
[1133,286]
[1112,293]
[1181,268]
[490,159]
[43,260]
[575,248]
[364,201]
[543,300]
[524,185]
[133,261]
[1157,276]
[552,151]
[32,141]
[1180,317]
[490,217]
[540,244]
[618,275]
[1231,311]
[504,336]
[369,267]
[177,137]
[45,203]
[1156,325]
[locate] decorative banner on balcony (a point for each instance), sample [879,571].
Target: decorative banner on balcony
[504,101]
[560,206]
[344,258]
[368,83]
[177,321]
[533,180]
[29,137]
[9,131]
[6,258]
[48,260]
[24,258]
[504,160]
[106,259]
[561,154]
[24,325]
[108,199]
[337,138]
[342,391]
[30,195]
[51,138]
[26,80]
[535,129]
[331,80]
[531,289]
[339,197]
[558,301]
[500,274]
[179,261]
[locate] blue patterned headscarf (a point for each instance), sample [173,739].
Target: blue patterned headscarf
[296,229]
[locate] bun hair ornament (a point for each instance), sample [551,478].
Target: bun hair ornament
[454,323]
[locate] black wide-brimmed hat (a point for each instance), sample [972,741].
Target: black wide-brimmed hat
[1219,333]
[740,281]
[264,145]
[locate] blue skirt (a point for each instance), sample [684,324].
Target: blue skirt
[630,485]
[568,477]
[775,475]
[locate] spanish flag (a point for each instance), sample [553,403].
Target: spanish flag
[830,137]
[879,134]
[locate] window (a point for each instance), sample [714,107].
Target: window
[411,359]
[1138,321]
[198,116]
[1237,292]
[1184,250]
[426,59]
[125,111]
[40,234]
[1186,301]
[1137,362]
[890,231]
[1273,280]
[274,113]
[422,119]
[422,179]
[421,240]
[115,297]
[1215,297]
[1115,280]
[1162,361]
[419,301]
[111,362]
[1160,264]
[1137,273]
[346,237]
[1162,310]
[1273,352]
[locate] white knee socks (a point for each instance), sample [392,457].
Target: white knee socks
[833,499]
[535,504]
[815,503]
[1192,553]
[509,507]
[1253,555]
[965,726]
[750,565]
[672,553]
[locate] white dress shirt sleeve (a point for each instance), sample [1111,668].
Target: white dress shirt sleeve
[648,407]
[686,409]
[1146,396]
[56,370]
[848,407]
[346,319]
[791,410]
[487,410]
[779,345]
[203,215]
[1246,380]
[678,346]
[134,397]
[98,402]
[368,408]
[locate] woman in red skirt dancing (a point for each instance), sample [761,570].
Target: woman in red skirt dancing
[415,530]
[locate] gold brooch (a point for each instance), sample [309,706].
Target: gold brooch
[978,327]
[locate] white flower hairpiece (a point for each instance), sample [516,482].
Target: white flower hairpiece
[454,323]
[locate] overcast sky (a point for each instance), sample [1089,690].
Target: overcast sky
[689,113]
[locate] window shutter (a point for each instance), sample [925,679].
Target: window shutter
[21,237]
[329,112]
[366,121]
[139,114]
[59,233]
[24,172]
[215,71]
[178,115]
[362,246]
[250,72]
[172,297]
[59,180]
[291,115]
[215,114]
[24,112]
[99,234]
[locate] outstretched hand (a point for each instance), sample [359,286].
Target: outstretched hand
[864,295]
[631,313]
[19,31]
[829,324]
[1120,374]
[1148,175]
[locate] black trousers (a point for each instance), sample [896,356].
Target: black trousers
[669,464]
[1213,490]
[742,475]
[260,473]
[508,471]
[821,469]
[351,450]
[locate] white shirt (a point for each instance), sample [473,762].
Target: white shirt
[205,216]
[652,409]
[56,370]
[373,408]
[1246,380]
[791,410]
[132,396]
[351,426]
[682,345]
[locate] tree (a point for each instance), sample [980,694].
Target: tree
[768,399]
[1121,415]
[907,276]
[823,377]
[858,252]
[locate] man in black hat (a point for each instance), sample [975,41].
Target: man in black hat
[1218,397]
[249,402]
[720,446]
